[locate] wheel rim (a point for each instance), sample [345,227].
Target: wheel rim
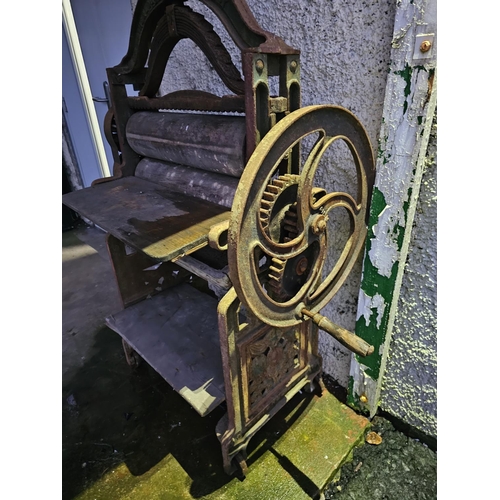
[258,253]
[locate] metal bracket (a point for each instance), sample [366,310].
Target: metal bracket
[278,104]
[424,46]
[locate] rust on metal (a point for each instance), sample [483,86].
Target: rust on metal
[253,247]
[175,177]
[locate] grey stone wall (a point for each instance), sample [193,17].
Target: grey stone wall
[409,389]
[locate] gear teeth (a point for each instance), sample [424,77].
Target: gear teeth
[270,195]
[277,268]
[289,228]
[276,271]
[273,189]
[290,222]
[280,264]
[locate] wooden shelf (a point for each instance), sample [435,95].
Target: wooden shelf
[176,333]
[148,217]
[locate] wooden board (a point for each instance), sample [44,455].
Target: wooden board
[176,332]
[147,216]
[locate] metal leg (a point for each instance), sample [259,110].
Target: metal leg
[133,359]
[241,460]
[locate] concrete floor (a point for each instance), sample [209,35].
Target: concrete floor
[127,434]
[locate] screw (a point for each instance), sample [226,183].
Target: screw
[259,65]
[293,66]
[425,46]
[363,398]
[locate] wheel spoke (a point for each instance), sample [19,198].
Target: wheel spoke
[335,200]
[278,235]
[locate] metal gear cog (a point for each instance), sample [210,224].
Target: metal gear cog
[280,194]
[257,232]
[278,217]
[275,275]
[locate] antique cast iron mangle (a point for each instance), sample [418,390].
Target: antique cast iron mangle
[220,189]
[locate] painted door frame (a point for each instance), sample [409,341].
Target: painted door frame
[409,107]
[84,86]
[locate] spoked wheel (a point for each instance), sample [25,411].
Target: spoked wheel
[278,233]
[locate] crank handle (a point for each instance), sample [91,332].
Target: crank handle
[345,337]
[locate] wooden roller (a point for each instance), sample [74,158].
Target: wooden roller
[209,142]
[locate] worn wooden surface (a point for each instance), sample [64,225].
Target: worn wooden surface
[410,101]
[137,275]
[176,332]
[148,217]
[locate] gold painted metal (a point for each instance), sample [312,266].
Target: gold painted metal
[277,246]
[425,46]
[264,367]
[253,248]
[217,236]
[345,337]
[278,104]
[318,225]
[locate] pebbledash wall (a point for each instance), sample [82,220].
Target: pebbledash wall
[345,59]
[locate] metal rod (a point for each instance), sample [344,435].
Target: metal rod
[345,337]
[218,279]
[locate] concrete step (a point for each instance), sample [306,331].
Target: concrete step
[293,458]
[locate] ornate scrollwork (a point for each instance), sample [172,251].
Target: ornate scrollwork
[265,248]
[182,22]
[270,359]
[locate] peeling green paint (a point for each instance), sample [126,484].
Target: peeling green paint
[410,98]
[374,283]
[381,153]
[406,73]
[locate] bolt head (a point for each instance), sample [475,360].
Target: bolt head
[363,399]
[293,66]
[259,65]
[425,46]
[319,224]
[301,266]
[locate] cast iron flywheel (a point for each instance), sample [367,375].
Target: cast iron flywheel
[278,232]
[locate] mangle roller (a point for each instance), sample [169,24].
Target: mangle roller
[217,235]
